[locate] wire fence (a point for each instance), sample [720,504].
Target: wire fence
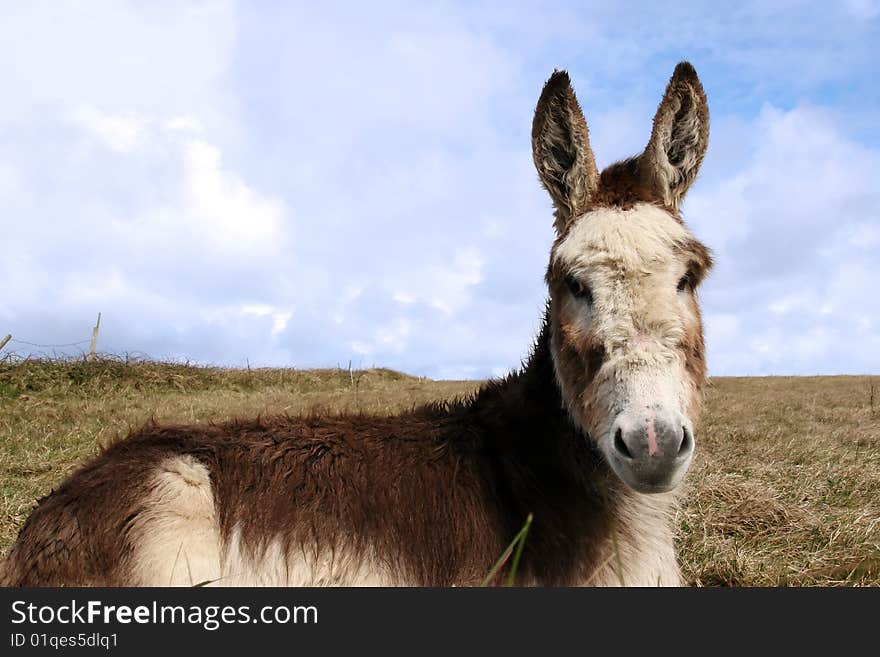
[47,346]
[92,342]
[14,350]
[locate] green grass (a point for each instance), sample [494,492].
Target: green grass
[784,489]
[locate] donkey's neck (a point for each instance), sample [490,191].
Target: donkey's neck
[524,415]
[537,461]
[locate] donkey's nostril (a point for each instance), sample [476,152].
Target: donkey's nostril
[687,442]
[619,445]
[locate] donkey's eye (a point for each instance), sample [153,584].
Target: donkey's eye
[579,290]
[688,281]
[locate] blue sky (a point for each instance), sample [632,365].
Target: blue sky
[311,184]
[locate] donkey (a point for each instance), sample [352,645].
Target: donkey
[592,436]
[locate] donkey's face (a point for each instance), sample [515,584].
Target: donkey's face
[626,335]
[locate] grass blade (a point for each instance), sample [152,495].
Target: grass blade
[507,552]
[523,533]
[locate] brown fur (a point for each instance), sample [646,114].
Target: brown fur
[621,185]
[692,344]
[578,363]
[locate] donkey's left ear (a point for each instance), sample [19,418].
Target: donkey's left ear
[679,139]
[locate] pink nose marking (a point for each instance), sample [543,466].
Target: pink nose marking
[652,434]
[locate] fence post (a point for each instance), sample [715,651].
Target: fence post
[5,340]
[94,338]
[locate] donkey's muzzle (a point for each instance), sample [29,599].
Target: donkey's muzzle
[650,450]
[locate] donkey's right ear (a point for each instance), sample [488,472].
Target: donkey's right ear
[561,149]
[681,134]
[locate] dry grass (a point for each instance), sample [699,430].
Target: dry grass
[785,489]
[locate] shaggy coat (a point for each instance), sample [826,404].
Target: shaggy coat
[430,497]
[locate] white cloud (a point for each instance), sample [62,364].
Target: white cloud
[124,57]
[120,133]
[280,318]
[10,180]
[449,286]
[187,124]
[791,231]
[205,213]
[224,209]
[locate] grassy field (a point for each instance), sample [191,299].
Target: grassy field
[785,488]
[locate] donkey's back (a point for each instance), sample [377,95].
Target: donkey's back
[278,501]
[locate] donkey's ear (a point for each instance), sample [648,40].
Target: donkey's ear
[679,139]
[561,149]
